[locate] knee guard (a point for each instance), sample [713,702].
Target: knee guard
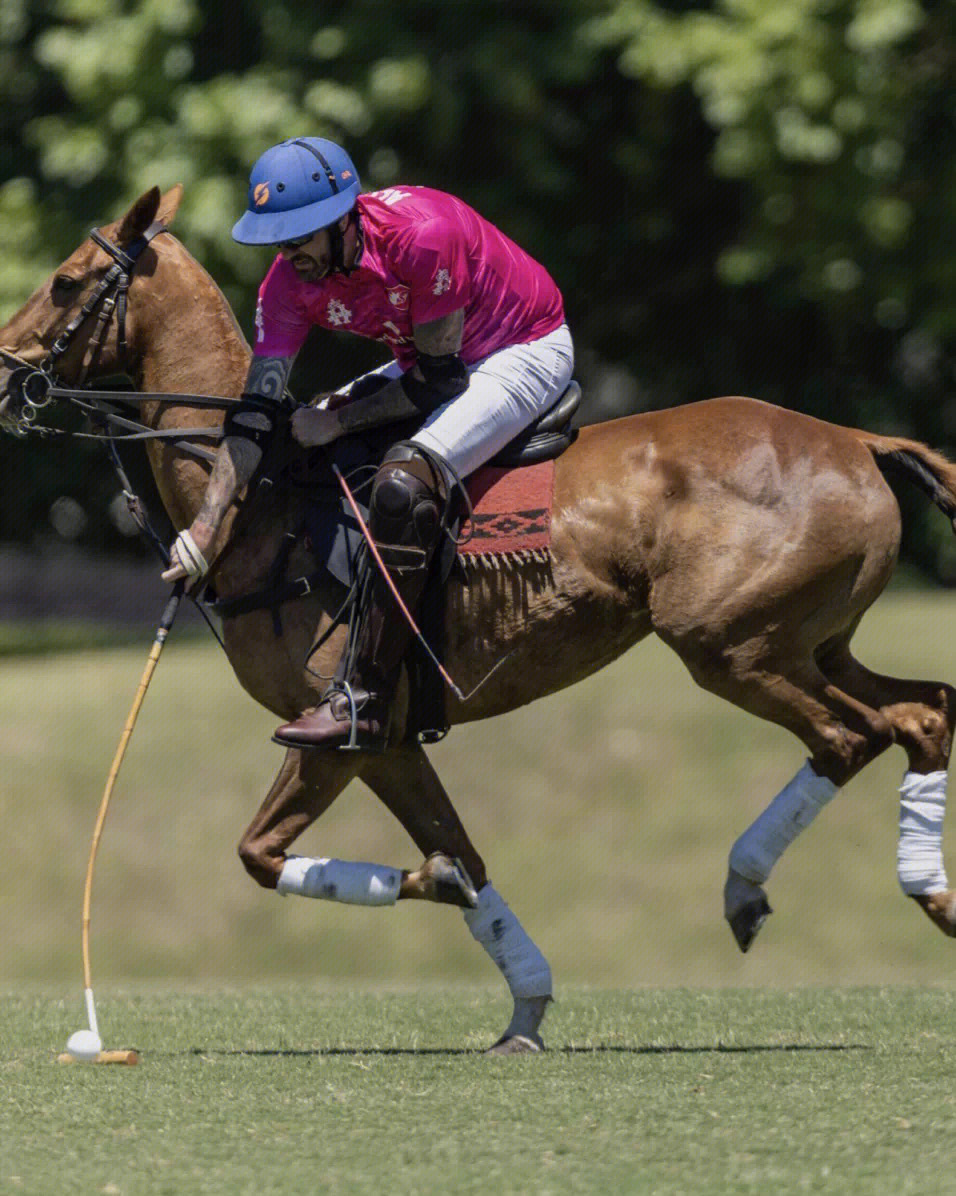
[408,499]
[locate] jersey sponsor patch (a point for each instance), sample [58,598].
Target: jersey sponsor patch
[441,283]
[260,323]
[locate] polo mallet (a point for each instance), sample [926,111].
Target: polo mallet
[86,1045]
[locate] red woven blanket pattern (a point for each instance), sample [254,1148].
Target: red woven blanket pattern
[512,509]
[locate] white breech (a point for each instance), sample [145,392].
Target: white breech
[919,854]
[506,393]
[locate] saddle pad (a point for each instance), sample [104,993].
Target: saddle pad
[512,509]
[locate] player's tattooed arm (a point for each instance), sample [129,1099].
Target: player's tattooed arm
[235,464]
[238,457]
[268,377]
[390,402]
[440,337]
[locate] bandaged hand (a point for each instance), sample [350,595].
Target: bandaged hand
[187,557]
[314,425]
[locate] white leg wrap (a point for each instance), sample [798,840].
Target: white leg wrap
[919,855]
[340,880]
[504,938]
[791,811]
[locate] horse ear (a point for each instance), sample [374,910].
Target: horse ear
[150,206]
[140,216]
[169,204]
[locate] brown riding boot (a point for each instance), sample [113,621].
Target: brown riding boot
[382,645]
[405,523]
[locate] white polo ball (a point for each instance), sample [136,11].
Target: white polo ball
[84,1045]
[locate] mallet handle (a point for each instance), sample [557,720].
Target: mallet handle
[162,631]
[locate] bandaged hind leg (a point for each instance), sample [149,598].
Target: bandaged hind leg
[791,811]
[525,969]
[919,855]
[757,850]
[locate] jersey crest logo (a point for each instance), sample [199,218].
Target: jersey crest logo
[260,195]
[442,283]
[398,296]
[338,313]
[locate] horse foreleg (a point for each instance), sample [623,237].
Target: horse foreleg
[307,784]
[406,783]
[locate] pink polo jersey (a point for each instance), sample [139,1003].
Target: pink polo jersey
[426,254]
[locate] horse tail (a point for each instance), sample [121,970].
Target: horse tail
[928,469]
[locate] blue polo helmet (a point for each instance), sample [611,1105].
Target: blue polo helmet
[297,187]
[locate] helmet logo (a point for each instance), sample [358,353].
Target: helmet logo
[260,195]
[346,174]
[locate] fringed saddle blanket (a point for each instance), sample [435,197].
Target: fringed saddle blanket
[511,515]
[511,511]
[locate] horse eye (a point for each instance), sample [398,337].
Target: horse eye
[63,282]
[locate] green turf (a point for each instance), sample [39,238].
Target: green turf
[297,1090]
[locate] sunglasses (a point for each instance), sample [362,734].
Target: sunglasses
[295,242]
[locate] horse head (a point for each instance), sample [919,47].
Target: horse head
[78,323]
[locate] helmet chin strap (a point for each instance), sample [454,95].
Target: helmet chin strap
[337,245]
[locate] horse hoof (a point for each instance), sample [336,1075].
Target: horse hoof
[746,922]
[940,908]
[517,1044]
[445,880]
[746,908]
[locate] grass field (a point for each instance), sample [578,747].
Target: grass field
[293,1045]
[270,1092]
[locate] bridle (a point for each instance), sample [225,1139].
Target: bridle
[34,387]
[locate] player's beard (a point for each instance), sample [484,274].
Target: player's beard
[309,269]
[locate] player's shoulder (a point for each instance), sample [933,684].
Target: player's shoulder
[403,205]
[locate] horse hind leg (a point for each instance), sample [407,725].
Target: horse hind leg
[923,716]
[842,736]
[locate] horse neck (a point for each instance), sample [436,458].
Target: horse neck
[187,341]
[188,338]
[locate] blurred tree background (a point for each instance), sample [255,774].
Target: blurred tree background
[735,196]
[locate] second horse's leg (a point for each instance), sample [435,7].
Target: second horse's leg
[408,786]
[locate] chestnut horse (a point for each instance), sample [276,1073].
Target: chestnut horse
[751,539]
